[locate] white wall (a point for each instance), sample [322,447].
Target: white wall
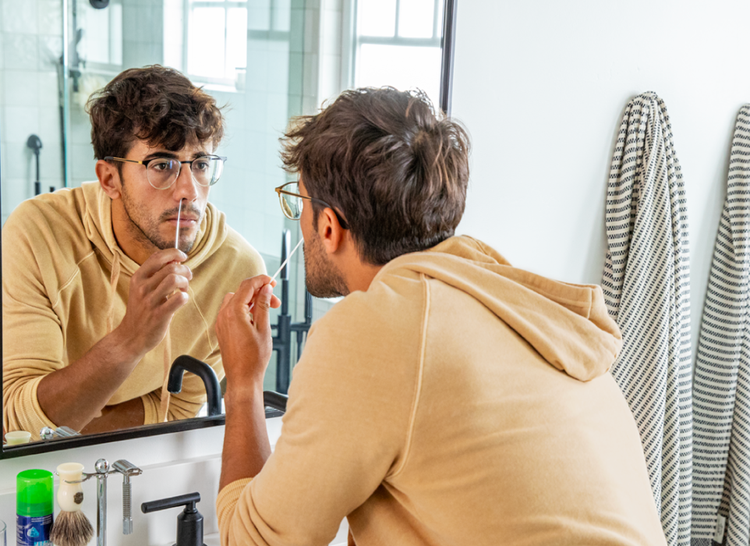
[541,86]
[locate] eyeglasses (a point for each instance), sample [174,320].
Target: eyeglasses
[162,172]
[291,202]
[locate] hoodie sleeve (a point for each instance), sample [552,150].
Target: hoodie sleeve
[346,429]
[32,334]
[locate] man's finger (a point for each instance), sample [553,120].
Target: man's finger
[169,284]
[159,259]
[260,309]
[226,301]
[249,287]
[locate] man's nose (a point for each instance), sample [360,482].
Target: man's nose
[186,187]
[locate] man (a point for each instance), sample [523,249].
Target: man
[102,287]
[449,398]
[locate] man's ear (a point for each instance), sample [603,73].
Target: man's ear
[109,178]
[330,231]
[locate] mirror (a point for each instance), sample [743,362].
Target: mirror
[265,61]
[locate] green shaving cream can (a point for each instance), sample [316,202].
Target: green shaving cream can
[34,507]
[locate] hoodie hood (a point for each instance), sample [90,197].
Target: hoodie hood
[98,222]
[567,324]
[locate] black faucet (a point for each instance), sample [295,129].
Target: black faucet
[189,522]
[204,371]
[282,340]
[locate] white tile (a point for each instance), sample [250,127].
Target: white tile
[277,106]
[257,71]
[50,164]
[279,45]
[234,114]
[333,5]
[258,19]
[49,17]
[256,44]
[296,73]
[255,111]
[20,51]
[49,126]
[14,191]
[2,91]
[80,126]
[19,16]
[330,77]
[297,24]
[256,151]
[50,51]
[312,30]
[331,30]
[82,162]
[154,22]
[21,88]
[19,122]
[310,105]
[49,94]
[259,4]
[273,224]
[2,54]
[16,160]
[310,79]
[278,72]
[282,19]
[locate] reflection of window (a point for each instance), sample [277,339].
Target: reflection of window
[100,43]
[398,43]
[217,40]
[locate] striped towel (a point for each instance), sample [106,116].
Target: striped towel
[722,370]
[646,287]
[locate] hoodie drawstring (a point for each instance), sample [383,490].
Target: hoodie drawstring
[114,278]
[165,395]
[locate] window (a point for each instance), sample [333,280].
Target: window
[217,41]
[398,43]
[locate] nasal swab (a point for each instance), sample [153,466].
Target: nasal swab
[301,240]
[287,259]
[177,232]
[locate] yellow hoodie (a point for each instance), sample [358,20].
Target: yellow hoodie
[66,284]
[457,401]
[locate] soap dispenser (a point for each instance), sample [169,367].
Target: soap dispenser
[189,522]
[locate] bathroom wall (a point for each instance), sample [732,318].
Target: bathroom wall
[30,45]
[542,86]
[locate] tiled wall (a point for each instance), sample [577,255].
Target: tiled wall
[30,46]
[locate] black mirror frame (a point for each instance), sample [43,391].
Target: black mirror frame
[143,431]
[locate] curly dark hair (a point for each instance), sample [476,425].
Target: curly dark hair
[155,104]
[384,159]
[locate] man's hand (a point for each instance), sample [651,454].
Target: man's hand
[245,335]
[157,290]
[76,394]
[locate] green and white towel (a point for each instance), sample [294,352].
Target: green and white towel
[721,495]
[646,286]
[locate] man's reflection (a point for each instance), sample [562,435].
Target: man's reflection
[100,294]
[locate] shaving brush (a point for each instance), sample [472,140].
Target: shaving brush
[71,526]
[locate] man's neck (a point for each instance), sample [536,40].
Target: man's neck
[359,275]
